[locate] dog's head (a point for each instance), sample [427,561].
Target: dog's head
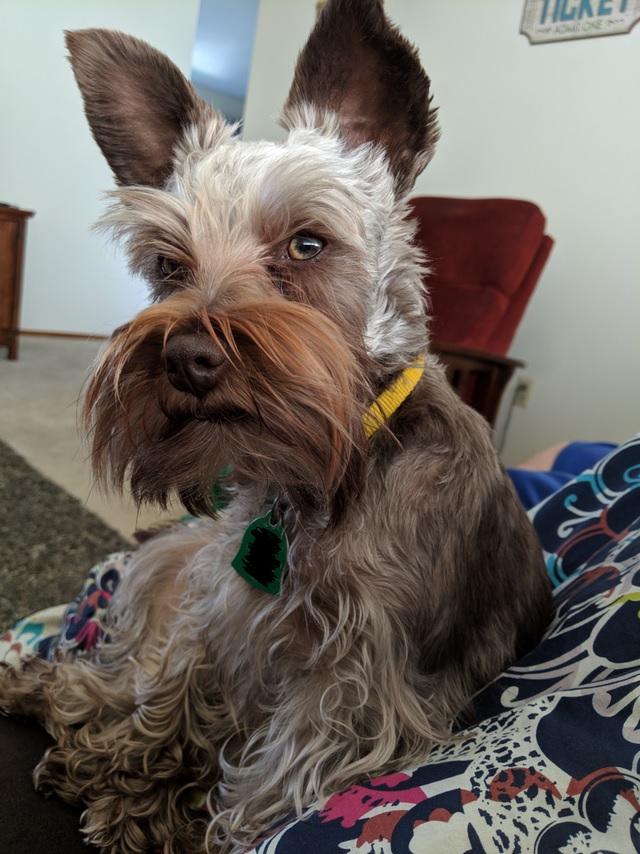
[286,293]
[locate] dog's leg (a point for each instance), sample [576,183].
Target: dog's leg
[132,764]
[334,717]
[126,722]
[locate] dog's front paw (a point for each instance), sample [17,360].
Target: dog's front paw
[22,691]
[127,812]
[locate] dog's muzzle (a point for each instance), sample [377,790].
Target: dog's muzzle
[193,362]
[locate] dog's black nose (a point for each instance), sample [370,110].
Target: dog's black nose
[193,362]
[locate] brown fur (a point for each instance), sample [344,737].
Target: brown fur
[413,575]
[288,383]
[381,93]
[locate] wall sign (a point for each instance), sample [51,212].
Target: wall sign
[560,20]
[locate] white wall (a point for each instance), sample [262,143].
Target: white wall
[49,163]
[558,124]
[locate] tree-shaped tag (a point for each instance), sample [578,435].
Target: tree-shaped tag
[262,556]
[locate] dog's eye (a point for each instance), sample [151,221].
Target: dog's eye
[303,247]
[169,268]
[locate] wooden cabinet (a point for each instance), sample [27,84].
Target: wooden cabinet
[13,224]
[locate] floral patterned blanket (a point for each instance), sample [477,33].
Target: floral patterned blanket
[552,764]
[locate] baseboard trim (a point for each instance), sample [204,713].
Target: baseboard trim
[45,334]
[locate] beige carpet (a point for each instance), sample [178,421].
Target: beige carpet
[39,415]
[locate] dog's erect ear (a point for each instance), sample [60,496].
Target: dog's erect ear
[360,67]
[137,101]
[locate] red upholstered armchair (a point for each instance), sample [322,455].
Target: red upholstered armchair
[486,256]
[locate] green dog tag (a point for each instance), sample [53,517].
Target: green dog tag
[262,556]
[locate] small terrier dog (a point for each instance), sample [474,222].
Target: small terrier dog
[372,567]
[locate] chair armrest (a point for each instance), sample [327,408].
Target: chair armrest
[478,376]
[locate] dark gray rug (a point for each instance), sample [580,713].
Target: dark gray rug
[48,540]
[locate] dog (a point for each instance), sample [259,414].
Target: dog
[372,567]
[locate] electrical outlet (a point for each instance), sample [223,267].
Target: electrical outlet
[522,393]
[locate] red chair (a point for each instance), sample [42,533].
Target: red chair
[486,256]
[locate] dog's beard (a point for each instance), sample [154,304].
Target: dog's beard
[286,412]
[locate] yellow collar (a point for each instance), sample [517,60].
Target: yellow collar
[386,404]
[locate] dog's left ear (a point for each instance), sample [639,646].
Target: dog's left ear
[357,65]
